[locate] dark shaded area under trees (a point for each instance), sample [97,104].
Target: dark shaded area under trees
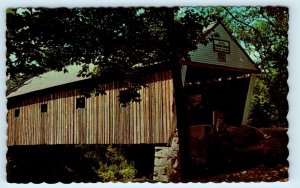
[75,163]
[241,154]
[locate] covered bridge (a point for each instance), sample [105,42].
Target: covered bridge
[51,109]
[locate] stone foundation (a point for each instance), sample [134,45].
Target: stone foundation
[166,162]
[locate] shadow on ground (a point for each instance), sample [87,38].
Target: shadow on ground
[240,154]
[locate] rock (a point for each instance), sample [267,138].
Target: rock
[166,162]
[162,153]
[173,153]
[176,164]
[162,162]
[161,178]
[175,143]
[160,170]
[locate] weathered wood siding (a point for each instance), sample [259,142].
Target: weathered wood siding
[102,121]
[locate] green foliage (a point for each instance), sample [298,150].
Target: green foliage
[115,167]
[264,112]
[269,104]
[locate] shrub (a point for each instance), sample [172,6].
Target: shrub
[115,167]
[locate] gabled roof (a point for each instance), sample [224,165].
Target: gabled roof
[236,59]
[48,80]
[210,27]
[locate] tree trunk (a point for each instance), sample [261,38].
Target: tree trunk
[180,114]
[173,58]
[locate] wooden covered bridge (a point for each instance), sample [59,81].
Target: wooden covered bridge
[51,109]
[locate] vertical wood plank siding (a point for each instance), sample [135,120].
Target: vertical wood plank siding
[102,121]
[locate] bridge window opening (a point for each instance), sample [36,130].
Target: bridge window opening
[17,112]
[44,108]
[80,102]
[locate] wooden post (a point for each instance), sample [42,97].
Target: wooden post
[252,83]
[183,73]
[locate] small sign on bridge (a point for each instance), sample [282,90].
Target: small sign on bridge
[221,46]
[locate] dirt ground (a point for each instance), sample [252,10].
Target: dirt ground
[245,155]
[260,173]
